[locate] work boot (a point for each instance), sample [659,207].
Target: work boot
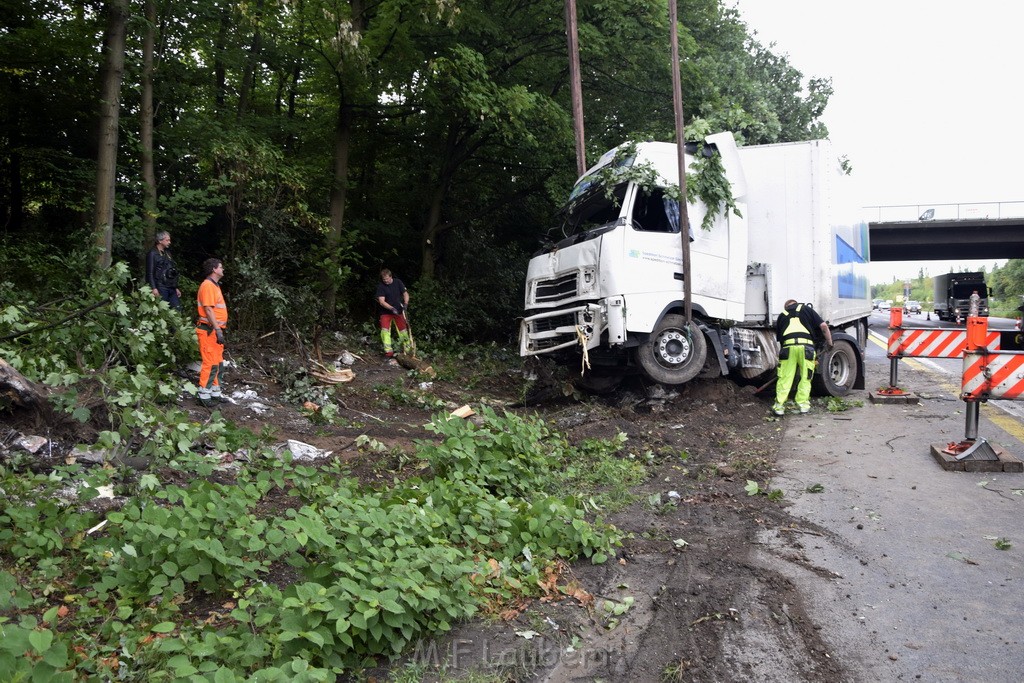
[805,407]
[779,409]
[207,402]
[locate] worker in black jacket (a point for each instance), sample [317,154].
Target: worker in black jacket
[161,273]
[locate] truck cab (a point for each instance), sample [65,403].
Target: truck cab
[610,291]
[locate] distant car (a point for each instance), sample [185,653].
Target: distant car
[884,305]
[912,307]
[875,302]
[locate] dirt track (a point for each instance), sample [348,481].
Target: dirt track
[890,572]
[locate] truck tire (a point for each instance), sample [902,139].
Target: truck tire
[673,354]
[838,370]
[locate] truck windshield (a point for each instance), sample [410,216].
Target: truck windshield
[964,291]
[594,209]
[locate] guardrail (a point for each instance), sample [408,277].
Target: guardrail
[898,213]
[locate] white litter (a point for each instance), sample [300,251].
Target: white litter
[247,395]
[303,452]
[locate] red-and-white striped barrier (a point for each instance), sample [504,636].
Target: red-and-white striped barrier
[987,373]
[927,342]
[993,375]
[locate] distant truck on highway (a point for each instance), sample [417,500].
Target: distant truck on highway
[953,295]
[612,288]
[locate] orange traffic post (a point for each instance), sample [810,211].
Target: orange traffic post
[977,351]
[895,317]
[977,331]
[895,323]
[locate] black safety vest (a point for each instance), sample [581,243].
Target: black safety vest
[795,333]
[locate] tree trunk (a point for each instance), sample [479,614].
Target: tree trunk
[18,392]
[146,130]
[16,193]
[339,189]
[430,232]
[106,171]
[251,63]
[220,78]
[293,91]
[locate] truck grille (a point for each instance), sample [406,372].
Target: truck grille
[565,287]
[541,325]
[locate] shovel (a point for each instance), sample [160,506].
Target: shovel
[412,340]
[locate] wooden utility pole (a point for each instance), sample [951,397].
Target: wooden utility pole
[677,105]
[575,87]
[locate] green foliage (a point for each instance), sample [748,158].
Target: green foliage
[705,178]
[706,181]
[835,404]
[104,323]
[477,300]
[376,569]
[753,488]
[509,455]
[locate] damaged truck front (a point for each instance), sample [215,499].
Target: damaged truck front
[608,297]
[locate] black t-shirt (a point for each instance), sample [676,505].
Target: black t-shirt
[392,295]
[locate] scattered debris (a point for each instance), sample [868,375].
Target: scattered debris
[334,376]
[89,455]
[245,395]
[31,444]
[303,452]
[464,411]
[960,557]
[413,363]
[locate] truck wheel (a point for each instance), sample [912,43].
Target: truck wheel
[862,334]
[599,384]
[673,354]
[838,367]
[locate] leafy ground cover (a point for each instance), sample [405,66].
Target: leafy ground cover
[199,549]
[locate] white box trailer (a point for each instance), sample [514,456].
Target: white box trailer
[612,288]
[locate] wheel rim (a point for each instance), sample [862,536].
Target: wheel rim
[839,368]
[673,348]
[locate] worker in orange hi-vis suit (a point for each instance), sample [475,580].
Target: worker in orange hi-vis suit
[213,319]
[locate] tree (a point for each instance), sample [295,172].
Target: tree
[110,102]
[146,127]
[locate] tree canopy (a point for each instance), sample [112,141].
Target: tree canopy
[310,142]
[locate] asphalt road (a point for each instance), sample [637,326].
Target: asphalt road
[900,561]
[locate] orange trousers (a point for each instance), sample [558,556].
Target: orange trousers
[212,354]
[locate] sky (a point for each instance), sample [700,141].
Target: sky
[927,101]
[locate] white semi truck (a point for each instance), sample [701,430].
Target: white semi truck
[610,292]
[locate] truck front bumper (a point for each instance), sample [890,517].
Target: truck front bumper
[583,325]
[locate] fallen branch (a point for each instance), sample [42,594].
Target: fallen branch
[76,314]
[889,442]
[372,417]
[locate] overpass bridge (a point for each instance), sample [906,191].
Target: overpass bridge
[925,232]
